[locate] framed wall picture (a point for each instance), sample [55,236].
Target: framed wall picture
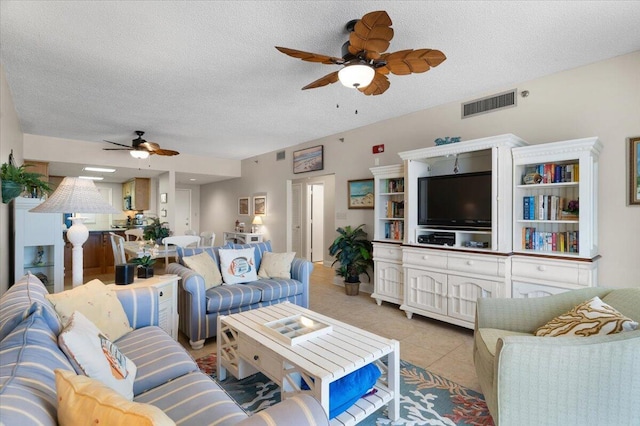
[243,206]
[163,197]
[260,205]
[308,159]
[634,171]
[361,194]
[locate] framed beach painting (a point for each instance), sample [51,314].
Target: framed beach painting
[308,159]
[361,194]
[260,205]
[243,206]
[634,171]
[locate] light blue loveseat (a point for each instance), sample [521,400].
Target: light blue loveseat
[199,308]
[167,377]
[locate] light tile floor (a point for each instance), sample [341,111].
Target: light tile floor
[439,347]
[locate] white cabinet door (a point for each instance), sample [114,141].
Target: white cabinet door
[426,290]
[527,290]
[463,294]
[388,282]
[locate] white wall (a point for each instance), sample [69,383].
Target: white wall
[10,139]
[601,99]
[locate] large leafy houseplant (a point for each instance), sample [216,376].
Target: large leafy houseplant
[16,179]
[353,252]
[156,230]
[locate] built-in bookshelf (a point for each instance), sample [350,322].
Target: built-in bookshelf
[555,198]
[389,204]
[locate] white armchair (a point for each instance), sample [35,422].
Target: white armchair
[529,380]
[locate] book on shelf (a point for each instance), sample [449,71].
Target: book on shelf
[562,242]
[545,207]
[394,230]
[554,173]
[394,209]
[394,185]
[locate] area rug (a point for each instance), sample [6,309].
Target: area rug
[426,398]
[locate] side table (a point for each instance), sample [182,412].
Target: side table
[241,237]
[167,286]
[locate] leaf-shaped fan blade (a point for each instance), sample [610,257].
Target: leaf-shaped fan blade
[410,61]
[116,143]
[149,146]
[371,33]
[323,81]
[378,85]
[164,152]
[310,57]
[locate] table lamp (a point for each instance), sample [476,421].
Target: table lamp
[257,221]
[77,196]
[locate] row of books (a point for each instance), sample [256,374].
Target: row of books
[394,209]
[545,207]
[394,230]
[555,173]
[392,185]
[564,242]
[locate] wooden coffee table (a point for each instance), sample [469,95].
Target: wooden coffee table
[246,346]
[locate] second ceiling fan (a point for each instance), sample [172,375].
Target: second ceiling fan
[366,66]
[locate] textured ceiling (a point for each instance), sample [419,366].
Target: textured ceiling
[204,77]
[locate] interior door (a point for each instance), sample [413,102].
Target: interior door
[183,211]
[316,222]
[296,219]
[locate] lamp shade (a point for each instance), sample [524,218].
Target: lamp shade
[139,153]
[356,76]
[75,195]
[257,220]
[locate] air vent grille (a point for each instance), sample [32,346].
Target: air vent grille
[490,103]
[280,155]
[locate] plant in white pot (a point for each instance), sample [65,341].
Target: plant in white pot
[354,253]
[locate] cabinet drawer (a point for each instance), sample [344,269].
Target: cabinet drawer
[474,264]
[553,271]
[165,293]
[387,252]
[260,357]
[425,258]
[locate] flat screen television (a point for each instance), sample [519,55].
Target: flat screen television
[455,201]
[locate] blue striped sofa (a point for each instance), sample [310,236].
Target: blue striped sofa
[199,309]
[167,377]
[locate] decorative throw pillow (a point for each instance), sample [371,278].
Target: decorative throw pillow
[92,354]
[83,400]
[207,267]
[96,302]
[238,266]
[590,318]
[276,265]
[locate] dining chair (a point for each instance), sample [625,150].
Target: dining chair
[190,232]
[180,241]
[207,239]
[138,233]
[117,244]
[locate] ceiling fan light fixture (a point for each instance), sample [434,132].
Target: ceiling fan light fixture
[356,76]
[139,154]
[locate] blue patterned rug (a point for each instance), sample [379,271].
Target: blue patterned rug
[426,398]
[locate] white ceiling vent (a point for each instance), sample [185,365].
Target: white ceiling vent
[490,103]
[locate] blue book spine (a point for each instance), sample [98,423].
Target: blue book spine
[525,208]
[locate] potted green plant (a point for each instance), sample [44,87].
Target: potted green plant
[354,253]
[156,230]
[16,179]
[145,266]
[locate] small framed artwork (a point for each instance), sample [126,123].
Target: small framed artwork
[243,206]
[163,212]
[634,171]
[260,205]
[361,194]
[163,197]
[309,159]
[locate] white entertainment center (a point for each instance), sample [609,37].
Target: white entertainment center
[440,271]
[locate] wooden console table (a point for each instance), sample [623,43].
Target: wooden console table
[241,237]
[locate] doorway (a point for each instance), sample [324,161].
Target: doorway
[183,211]
[315,222]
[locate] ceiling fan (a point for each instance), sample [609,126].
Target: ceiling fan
[140,148]
[365,65]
